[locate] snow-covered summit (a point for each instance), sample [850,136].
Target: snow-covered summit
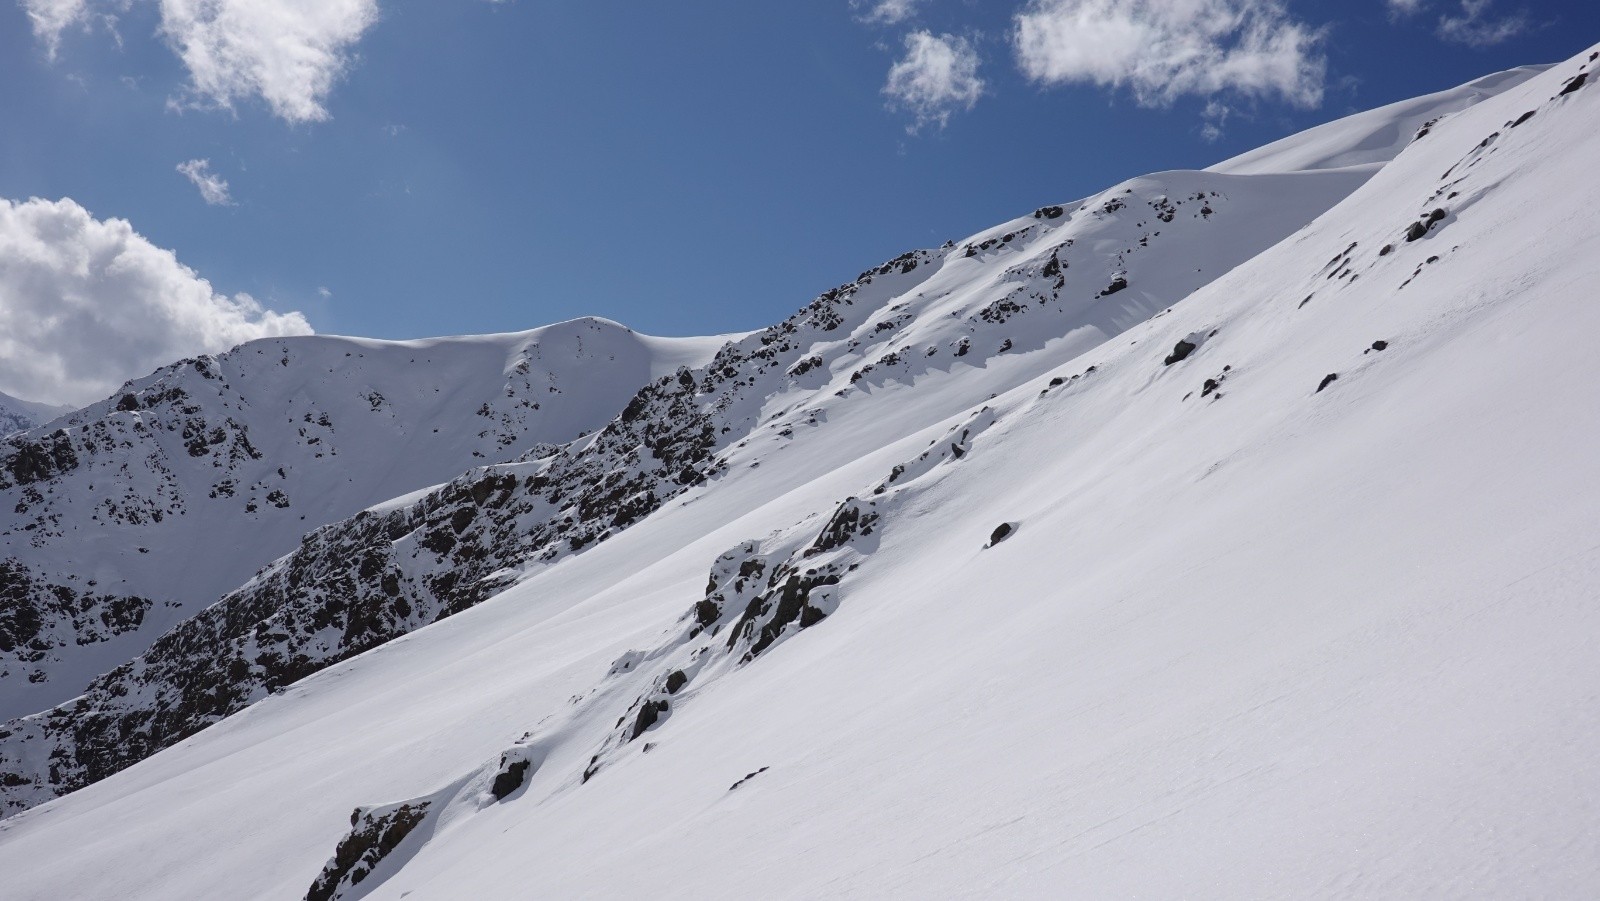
[131,514]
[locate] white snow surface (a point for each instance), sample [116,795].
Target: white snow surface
[17,415]
[1276,636]
[1372,137]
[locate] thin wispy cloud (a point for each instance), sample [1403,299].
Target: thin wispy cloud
[1161,50]
[887,12]
[1473,23]
[87,303]
[1404,9]
[213,187]
[50,18]
[937,77]
[1477,26]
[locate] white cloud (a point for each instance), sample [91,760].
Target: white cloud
[1215,117]
[937,76]
[51,17]
[1404,9]
[288,53]
[86,304]
[213,187]
[887,12]
[1165,49]
[1476,27]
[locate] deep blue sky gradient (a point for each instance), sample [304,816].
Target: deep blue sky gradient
[693,167]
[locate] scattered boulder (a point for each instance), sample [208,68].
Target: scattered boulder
[1001,533]
[510,778]
[374,834]
[1117,284]
[676,680]
[1181,352]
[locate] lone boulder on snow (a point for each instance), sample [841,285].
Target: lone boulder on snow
[1001,533]
[1181,352]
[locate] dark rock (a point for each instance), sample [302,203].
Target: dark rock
[649,714]
[1001,533]
[510,778]
[1380,345]
[1181,352]
[748,778]
[1524,117]
[373,836]
[1327,380]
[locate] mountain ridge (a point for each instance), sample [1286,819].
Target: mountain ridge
[1048,536]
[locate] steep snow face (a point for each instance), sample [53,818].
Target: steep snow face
[20,415]
[1375,136]
[1174,613]
[130,514]
[950,327]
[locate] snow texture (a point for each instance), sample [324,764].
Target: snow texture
[955,583]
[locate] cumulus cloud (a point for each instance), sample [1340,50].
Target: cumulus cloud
[213,187]
[288,53]
[887,12]
[937,77]
[1476,26]
[87,303]
[1165,49]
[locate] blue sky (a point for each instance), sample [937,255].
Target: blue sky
[401,169]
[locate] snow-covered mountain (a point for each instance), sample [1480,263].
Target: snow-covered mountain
[134,513]
[1228,533]
[18,415]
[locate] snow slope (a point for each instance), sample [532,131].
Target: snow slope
[20,415]
[141,509]
[951,326]
[1372,137]
[1251,631]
